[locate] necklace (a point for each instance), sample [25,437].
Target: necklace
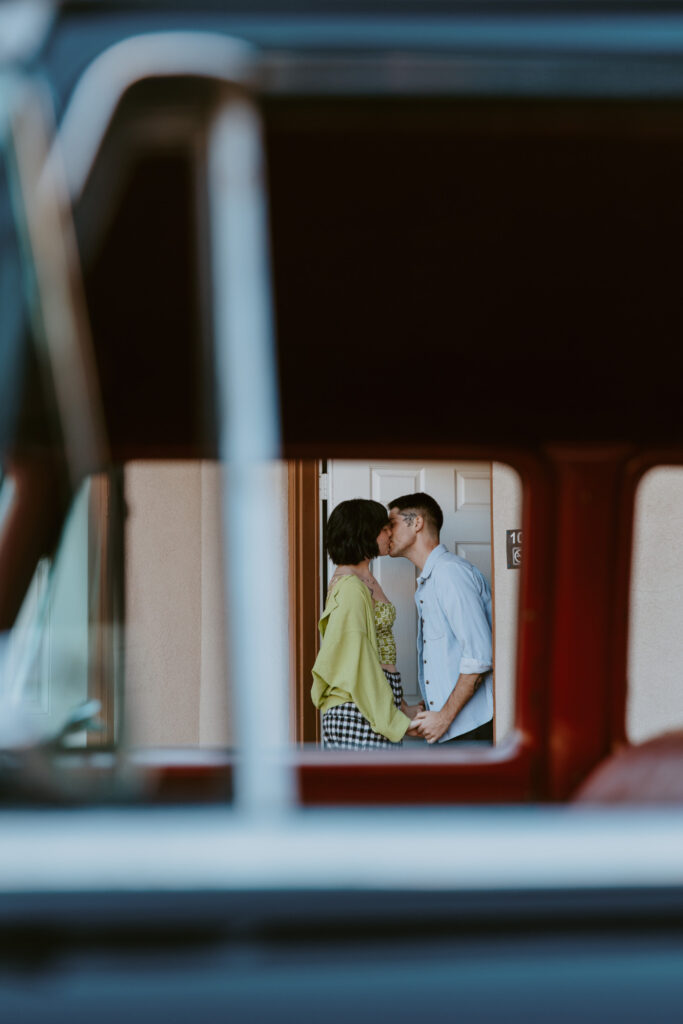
[368,579]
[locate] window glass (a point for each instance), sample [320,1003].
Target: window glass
[128,619]
[58,683]
[158,679]
[179,689]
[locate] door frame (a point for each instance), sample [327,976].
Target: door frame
[304,590]
[105,603]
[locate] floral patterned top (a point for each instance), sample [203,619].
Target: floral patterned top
[385,614]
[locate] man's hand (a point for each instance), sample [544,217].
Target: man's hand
[431,724]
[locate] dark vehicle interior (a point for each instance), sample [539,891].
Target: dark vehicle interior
[472,219]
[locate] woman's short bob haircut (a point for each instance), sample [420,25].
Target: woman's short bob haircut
[353,529]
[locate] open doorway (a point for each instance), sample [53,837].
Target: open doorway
[482,506]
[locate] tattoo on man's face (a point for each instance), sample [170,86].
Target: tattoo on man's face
[408,517]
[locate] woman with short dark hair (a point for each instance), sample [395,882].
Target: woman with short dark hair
[355,682]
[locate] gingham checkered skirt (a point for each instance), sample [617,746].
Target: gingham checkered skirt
[345,728]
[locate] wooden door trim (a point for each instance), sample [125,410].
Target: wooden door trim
[105,603]
[304,586]
[493,601]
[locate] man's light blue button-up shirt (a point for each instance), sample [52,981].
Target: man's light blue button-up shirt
[454,636]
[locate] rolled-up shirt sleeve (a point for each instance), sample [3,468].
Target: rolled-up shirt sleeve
[463,604]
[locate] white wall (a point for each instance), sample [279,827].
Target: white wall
[655,657]
[506,514]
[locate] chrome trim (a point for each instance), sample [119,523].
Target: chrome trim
[58,308]
[105,81]
[253,517]
[441,849]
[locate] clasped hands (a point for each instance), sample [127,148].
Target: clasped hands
[430,725]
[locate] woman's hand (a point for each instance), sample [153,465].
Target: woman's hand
[431,725]
[412,709]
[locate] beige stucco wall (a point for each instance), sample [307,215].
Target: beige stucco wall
[655,664]
[177,688]
[506,514]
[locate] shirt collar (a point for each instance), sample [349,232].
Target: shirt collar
[434,557]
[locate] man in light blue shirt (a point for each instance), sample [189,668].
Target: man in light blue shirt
[454,643]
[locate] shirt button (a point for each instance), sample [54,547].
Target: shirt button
[431,703]
[427,683]
[425,661]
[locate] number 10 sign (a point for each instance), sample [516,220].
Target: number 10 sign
[514,548]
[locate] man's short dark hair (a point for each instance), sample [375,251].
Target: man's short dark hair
[353,529]
[422,503]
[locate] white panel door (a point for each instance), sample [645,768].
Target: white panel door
[463,490]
